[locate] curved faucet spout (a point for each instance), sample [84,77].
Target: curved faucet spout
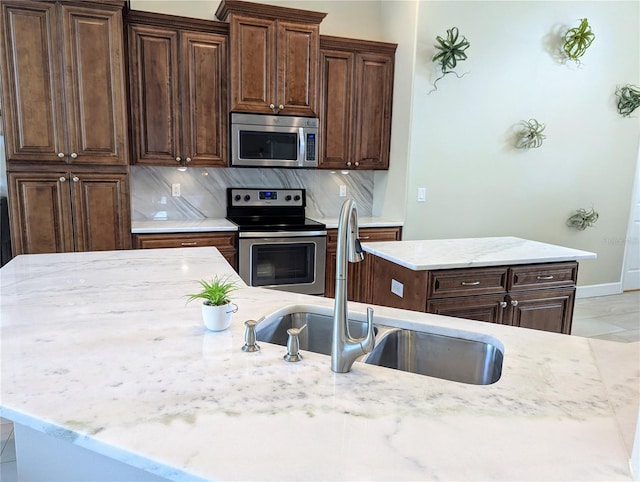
[344,348]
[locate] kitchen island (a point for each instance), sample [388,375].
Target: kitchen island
[103,361]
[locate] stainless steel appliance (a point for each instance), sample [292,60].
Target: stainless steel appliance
[278,247]
[273,141]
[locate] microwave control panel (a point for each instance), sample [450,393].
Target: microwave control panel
[311,147]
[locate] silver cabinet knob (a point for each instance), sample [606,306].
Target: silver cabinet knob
[503,304]
[357,163]
[74,155]
[514,302]
[75,178]
[178,159]
[62,179]
[348,163]
[60,155]
[188,159]
[280,107]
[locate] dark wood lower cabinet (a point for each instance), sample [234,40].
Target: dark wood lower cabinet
[359,275]
[54,212]
[224,242]
[538,296]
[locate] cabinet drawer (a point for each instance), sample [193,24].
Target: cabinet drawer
[224,242]
[547,275]
[367,235]
[466,282]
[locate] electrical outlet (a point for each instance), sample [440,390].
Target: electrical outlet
[343,190]
[175,190]
[422,194]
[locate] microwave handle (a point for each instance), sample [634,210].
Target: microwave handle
[301,145]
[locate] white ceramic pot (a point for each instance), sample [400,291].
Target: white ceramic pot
[218,318]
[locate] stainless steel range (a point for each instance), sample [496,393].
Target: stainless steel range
[278,247]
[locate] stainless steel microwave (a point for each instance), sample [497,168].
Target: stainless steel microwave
[273,141]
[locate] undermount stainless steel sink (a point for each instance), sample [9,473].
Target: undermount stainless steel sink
[316,337]
[454,358]
[447,357]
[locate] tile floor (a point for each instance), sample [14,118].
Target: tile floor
[613,318]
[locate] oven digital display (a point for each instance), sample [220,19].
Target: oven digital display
[268,195]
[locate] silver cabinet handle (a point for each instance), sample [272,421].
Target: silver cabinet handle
[542,278]
[365,237]
[357,163]
[188,159]
[348,163]
[272,106]
[503,304]
[178,159]
[514,302]
[62,179]
[280,107]
[60,155]
[470,283]
[74,155]
[192,243]
[75,179]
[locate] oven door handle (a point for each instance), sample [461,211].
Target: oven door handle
[281,234]
[301,148]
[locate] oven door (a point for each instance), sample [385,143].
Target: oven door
[286,261]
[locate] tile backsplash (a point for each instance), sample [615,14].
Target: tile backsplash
[203,191]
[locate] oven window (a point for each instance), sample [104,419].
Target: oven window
[282,264]
[269,145]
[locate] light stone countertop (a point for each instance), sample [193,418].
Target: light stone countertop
[431,254]
[221,224]
[100,349]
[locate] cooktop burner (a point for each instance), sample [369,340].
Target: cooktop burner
[269,210]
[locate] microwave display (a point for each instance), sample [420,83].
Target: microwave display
[269,145]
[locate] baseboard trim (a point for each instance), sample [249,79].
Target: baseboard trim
[604,289]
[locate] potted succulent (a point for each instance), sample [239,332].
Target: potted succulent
[217,308]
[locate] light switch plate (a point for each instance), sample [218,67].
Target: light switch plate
[422,194]
[343,190]
[175,190]
[397,288]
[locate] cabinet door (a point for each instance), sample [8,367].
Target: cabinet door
[548,310]
[32,93]
[204,98]
[94,85]
[154,90]
[40,213]
[374,86]
[489,308]
[100,211]
[253,64]
[336,98]
[298,49]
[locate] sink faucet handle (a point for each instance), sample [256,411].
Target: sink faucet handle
[293,345]
[369,341]
[250,344]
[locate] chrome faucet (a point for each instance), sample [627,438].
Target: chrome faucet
[344,349]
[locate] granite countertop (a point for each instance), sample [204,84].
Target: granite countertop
[430,254]
[221,224]
[100,349]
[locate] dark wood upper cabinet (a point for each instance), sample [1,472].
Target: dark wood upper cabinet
[274,58]
[356,98]
[178,89]
[63,81]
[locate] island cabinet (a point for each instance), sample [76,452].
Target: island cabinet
[359,275]
[63,211]
[178,70]
[274,58]
[224,242]
[539,296]
[65,125]
[356,96]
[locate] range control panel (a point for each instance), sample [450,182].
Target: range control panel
[267,197]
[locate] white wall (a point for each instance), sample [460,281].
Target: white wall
[461,146]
